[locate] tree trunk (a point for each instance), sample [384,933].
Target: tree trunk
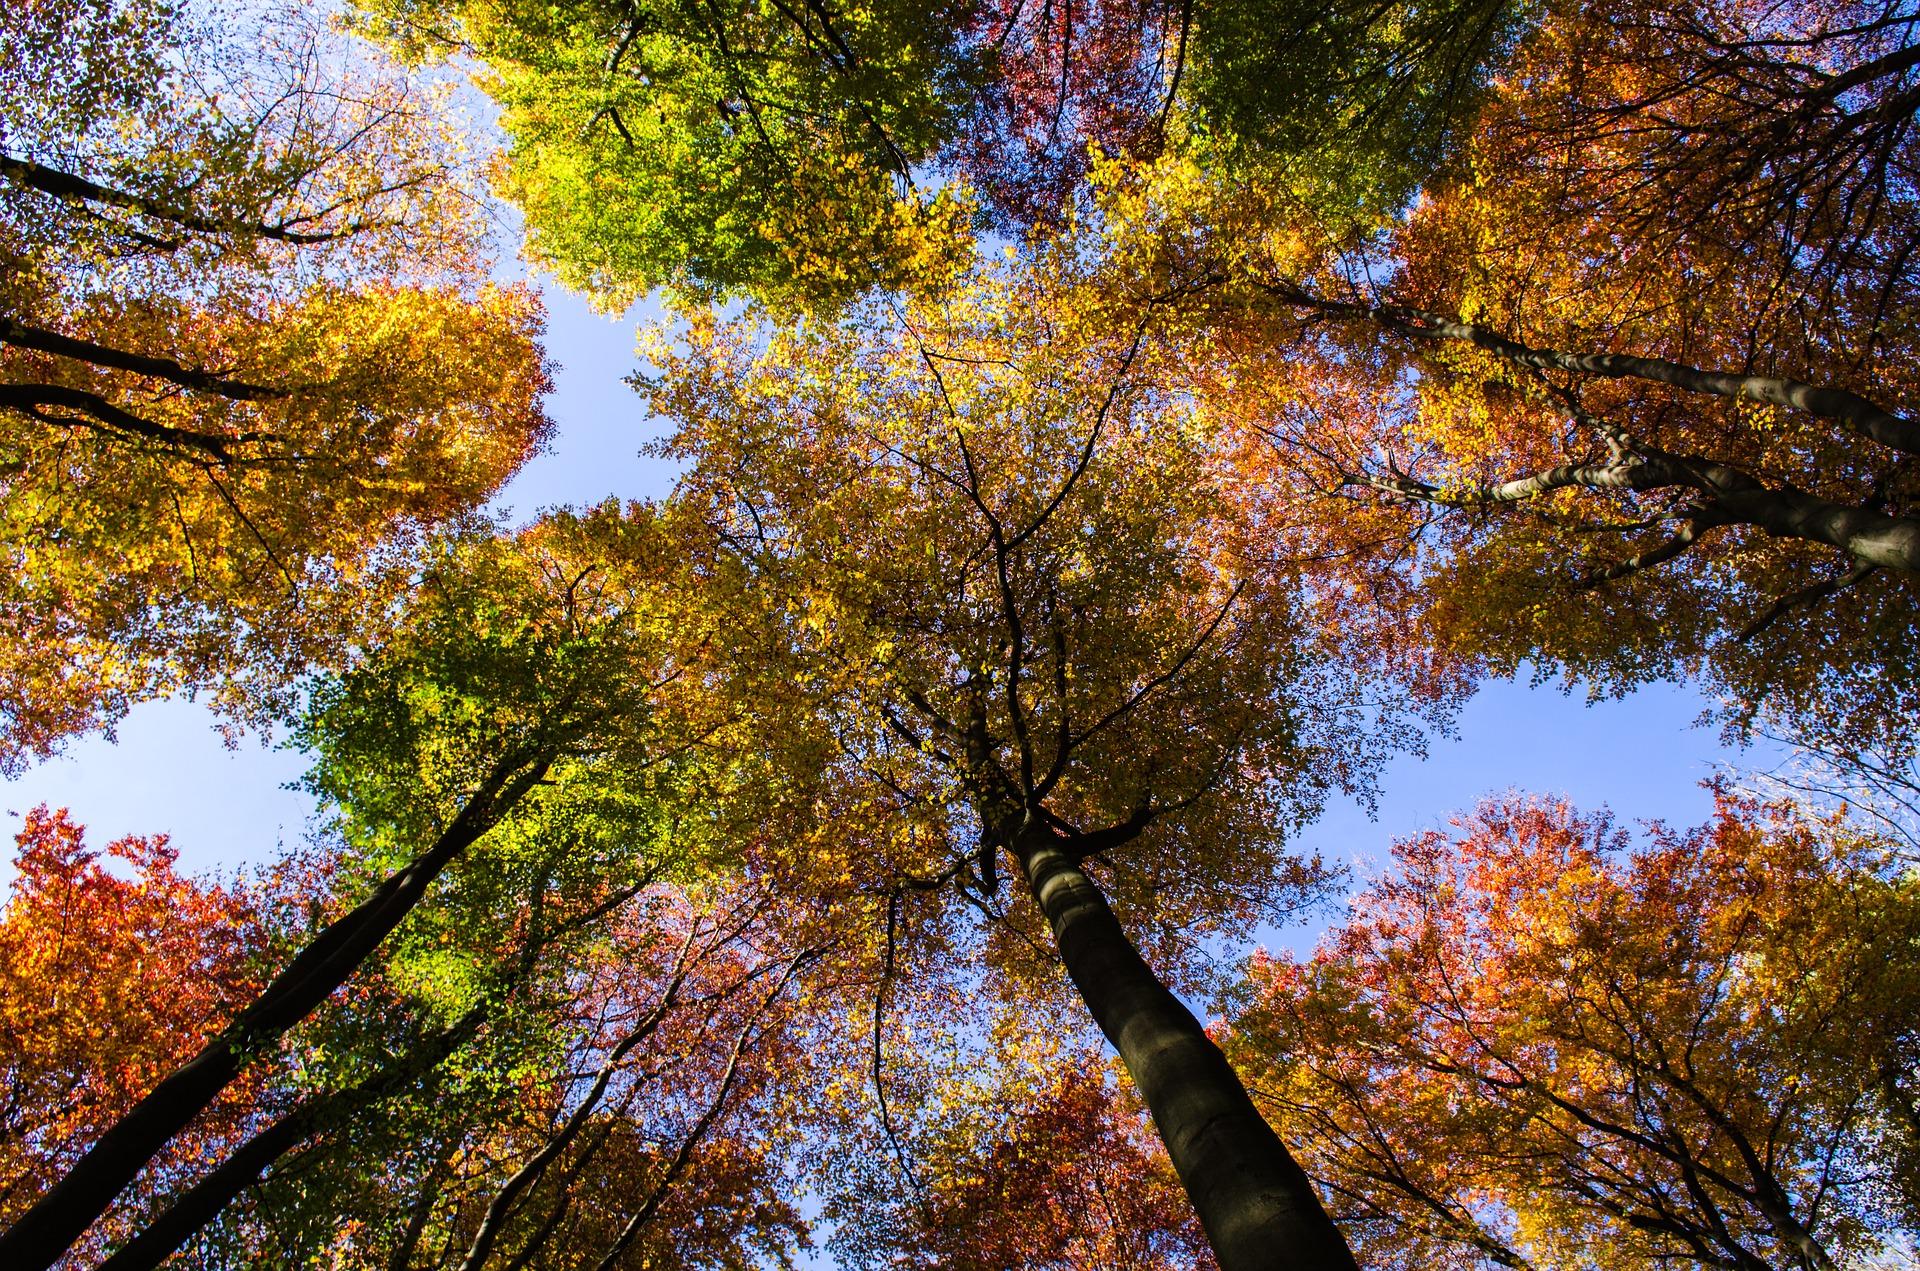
[1258,1208]
[1892,542]
[39,1237]
[202,1202]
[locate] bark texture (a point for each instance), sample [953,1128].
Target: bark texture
[1255,1202]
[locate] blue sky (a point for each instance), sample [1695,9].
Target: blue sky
[169,772]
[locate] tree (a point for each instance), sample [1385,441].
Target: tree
[247,348]
[1350,106]
[1096,674]
[595,1096]
[1627,430]
[111,971]
[804,153]
[1103,566]
[1064,82]
[1347,106]
[529,669]
[1684,295]
[1536,1045]
[570,948]
[768,149]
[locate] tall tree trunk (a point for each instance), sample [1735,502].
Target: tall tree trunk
[46,1231]
[1258,1208]
[202,1202]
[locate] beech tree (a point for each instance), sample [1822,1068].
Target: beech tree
[1326,370]
[282,1099]
[1627,432]
[1695,325]
[1097,676]
[768,149]
[1541,1044]
[602,1102]
[805,153]
[562,951]
[669,1153]
[247,346]
[1757,146]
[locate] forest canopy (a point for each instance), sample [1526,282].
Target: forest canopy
[1104,435]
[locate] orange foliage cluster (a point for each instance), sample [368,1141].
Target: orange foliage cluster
[113,968]
[1537,1043]
[1061,1176]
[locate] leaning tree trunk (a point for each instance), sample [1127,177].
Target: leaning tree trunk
[1258,1208]
[39,1237]
[202,1203]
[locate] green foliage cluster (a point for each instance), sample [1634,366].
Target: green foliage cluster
[724,147]
[1355,102]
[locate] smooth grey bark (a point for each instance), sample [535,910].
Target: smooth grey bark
[1863,416]
[1732,497]
[1255,1202]
[1736,498]
[1873,538]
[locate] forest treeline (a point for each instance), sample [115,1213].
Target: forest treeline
[1107,432]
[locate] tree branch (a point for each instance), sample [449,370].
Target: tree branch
[22,336]
[1811,594]
[1861,415]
